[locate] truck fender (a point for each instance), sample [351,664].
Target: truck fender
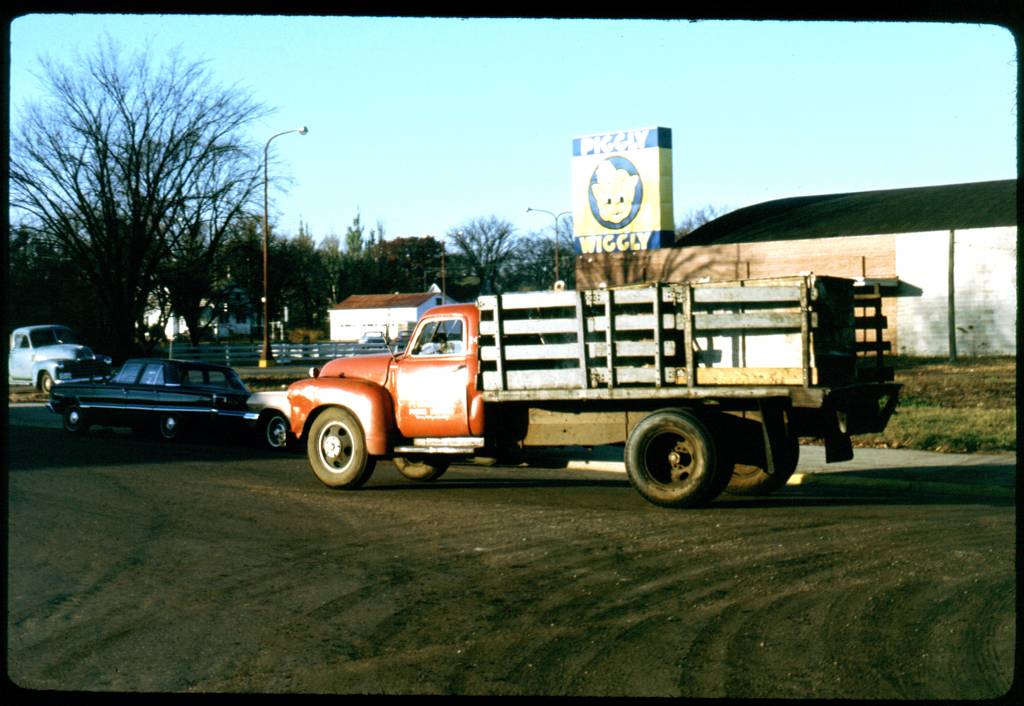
[48,366]
[371,404]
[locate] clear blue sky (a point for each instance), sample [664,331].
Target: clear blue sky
[424,124]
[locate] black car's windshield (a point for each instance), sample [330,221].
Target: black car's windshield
[129,373]
[52,336]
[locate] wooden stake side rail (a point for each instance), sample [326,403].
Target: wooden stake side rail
[566,379]
[645,322]
[813,397]
[869,345]
[741,338]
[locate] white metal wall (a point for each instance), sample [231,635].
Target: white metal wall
[985,277]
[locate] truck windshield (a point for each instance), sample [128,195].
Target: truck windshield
[443,337]
[52,336]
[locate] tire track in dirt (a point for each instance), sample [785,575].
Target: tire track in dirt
[569,614]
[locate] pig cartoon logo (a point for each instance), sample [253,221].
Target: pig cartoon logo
[615,192]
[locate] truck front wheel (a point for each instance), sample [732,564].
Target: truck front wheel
[671,460]
[420,469]
[336,448]
[45,382]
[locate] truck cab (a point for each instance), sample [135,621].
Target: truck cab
[50,354]
[403,406]
[434,381]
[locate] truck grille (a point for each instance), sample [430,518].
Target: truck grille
[78,369]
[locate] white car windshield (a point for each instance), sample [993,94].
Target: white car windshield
[52,336]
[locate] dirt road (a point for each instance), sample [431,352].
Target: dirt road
[213,567]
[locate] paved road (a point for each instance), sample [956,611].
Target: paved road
[216,567]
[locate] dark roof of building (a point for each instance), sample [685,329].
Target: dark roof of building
[385,301]
[983,204]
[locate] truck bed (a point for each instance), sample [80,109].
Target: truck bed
[794,337]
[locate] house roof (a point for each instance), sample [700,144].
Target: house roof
[928,208]
[385,301]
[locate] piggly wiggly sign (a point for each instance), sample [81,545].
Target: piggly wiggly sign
[622,191]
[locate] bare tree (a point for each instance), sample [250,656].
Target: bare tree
[532,264]
[696,217]
[486,248]
[133,170]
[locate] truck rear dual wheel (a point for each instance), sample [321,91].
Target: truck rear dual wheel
[741,453]
[336,447]
[421,469]
[671,460]
[748,479]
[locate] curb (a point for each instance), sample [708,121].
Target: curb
[840,480]
[603,466]
[920,487]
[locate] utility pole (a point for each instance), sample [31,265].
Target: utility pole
[444,285]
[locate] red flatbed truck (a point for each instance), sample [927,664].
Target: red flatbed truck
[709,386]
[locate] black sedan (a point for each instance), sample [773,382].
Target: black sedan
[167,397]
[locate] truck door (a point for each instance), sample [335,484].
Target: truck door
[20,358]
[432,382]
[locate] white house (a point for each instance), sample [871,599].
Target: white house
[386,313]
[228,315]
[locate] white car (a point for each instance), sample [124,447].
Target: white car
[51,354]
[372,338]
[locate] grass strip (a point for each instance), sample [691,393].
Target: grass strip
[947,430]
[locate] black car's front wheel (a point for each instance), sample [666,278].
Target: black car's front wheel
[275,431]
[75,420]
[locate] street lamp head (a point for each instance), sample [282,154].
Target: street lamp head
[303,130]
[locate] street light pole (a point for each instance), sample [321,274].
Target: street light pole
[444,274]
[557,249]
[266,355]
